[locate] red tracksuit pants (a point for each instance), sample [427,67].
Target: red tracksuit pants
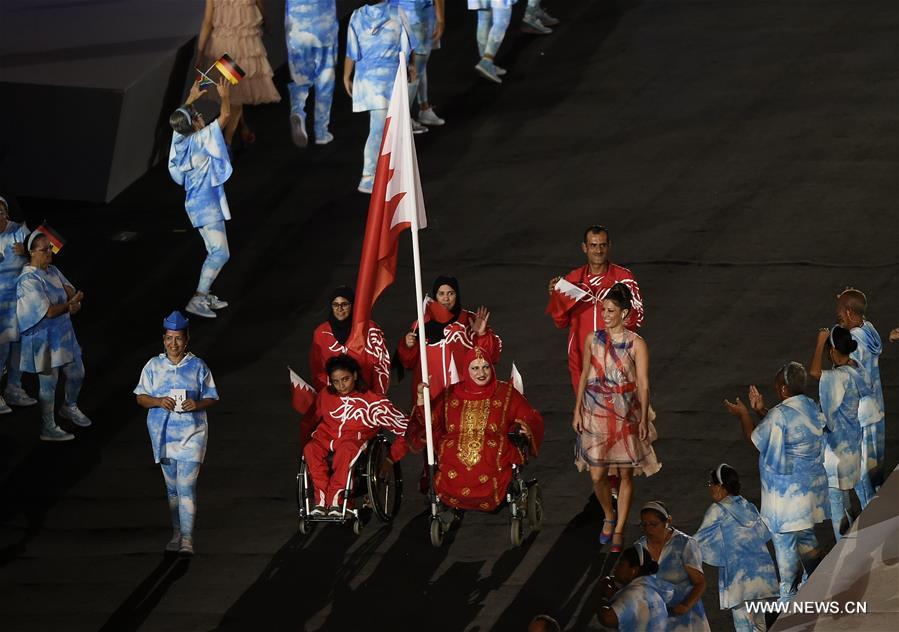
[347,449]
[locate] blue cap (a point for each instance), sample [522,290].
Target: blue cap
[175,321]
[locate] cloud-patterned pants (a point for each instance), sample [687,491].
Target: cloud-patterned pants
[797,557]
[312,67]
[492,25]
[9,352]
[181,490]
[74,374]
[373,142]
[217,254]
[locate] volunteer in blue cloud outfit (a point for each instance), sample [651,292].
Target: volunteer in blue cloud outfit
[637,596]
[45,301]
[680,564]
[12,259]
[177,387]
[425,20]
[375,37]
[734,538]
[311,31]
[852,305]
[841,390]
[790,442]
[198,160]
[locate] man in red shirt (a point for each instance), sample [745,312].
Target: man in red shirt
[580,308]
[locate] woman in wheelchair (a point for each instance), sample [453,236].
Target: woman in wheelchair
[349,416]
[471,422]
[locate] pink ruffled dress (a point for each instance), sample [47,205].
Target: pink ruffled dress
[237,30]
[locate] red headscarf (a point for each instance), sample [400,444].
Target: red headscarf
[470,389]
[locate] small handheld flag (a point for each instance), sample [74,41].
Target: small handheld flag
[453,371]
[229,69]
[56,240]
[302,395]
[516,380]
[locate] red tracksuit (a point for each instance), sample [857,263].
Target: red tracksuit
[586,315]
[347,424]
[374,361]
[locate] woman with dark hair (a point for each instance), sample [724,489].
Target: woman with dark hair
[198,160]
[639,604]
[734,538]
[612,417]
[176,388]
[841,390]
[348,415]
[45,302]
[329,339]
[450,332]
[680,563]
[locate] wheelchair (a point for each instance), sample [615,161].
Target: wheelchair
[523,498]
[371,493]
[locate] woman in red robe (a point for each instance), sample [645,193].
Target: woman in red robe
[471,422]
[329,340]
[451,332]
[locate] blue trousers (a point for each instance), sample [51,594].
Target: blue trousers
[796,553]
[312,67]
[217,254]
[492,25]
[181,490]
[9,358]
[839,507]
[373,142]
[74,374]
[745,621]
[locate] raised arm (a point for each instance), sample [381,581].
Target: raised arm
[814,368]
[224,90]
[738,409]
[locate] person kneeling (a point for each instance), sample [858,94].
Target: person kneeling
[349,416]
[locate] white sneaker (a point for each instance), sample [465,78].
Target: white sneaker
[55,434]
[335,512]
[175,543]
[324,140]
[487,69]
[73,414]
[187,546]
[298,131]
[499,71]
[199,306]
[530,23]
[418,128]
[545,18]
[4,409]
[366,184]
[318,510]
[16,396]
[214,302]
[429,117]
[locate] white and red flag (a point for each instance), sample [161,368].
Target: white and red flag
[516,380]
[396,204]
[302,395]
[565,295]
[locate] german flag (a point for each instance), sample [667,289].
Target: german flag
[56,240]
[229,69]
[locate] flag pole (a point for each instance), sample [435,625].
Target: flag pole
[419,298]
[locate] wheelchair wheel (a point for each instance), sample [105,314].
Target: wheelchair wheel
[436,532]
[535,507]
[516,531]
[358,526]
[304,526]
[386,495]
